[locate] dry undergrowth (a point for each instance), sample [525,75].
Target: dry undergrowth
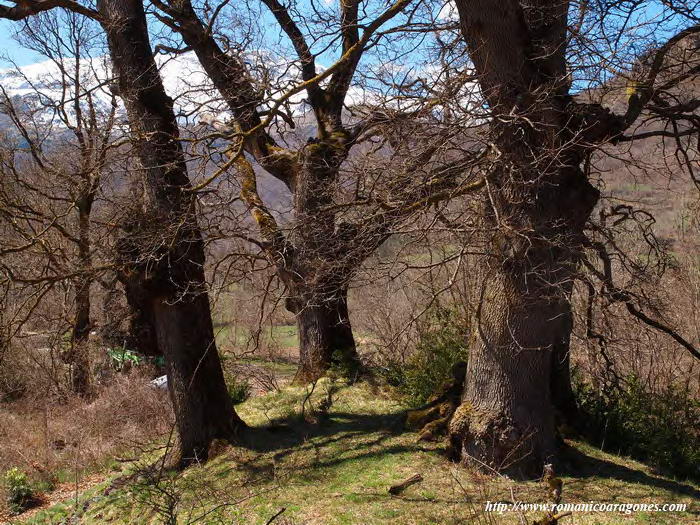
[62,443]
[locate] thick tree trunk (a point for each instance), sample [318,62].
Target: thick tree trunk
[142,324]
[164,251]
[325,337]
[200,397]
[506,421]
[561,388]
[538,203]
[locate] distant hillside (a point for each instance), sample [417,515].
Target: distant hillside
[652,173]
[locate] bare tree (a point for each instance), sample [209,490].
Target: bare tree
[65,129]
[539,201]
[163,251]
[333,230]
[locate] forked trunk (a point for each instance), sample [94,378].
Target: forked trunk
[321,267]
[325,335]
[325,338]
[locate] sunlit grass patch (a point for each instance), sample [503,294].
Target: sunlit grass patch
[337,469]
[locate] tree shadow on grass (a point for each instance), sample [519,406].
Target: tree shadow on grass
[345,436]
[293,430]
[339,438]
[577,464]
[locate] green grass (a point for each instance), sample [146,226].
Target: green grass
[278,367]
[633,188]
[230,336]
[338,470]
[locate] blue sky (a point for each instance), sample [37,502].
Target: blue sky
[9,47]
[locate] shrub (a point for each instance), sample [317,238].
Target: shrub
[661,428]
[12,383]
[74,436]
[123,358]
[239,390]
[344,363]
[442,343]
[20,495]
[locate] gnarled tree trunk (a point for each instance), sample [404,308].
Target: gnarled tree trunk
[165,251]
[538,202]
[315,254]
[325,334]
[507,420]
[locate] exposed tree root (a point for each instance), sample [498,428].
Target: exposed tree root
[431,420]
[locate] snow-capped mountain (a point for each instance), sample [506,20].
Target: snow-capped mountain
[41,88]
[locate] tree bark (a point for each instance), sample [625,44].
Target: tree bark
[506,419]
[142,325]
[165,251]
[198,391]
[538,203]
[325,336]
[321,265]
[562,392]
[80,351]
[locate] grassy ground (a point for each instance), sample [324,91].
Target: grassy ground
[230,336]
[336,469]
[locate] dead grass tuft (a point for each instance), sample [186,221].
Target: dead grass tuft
[59,442]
